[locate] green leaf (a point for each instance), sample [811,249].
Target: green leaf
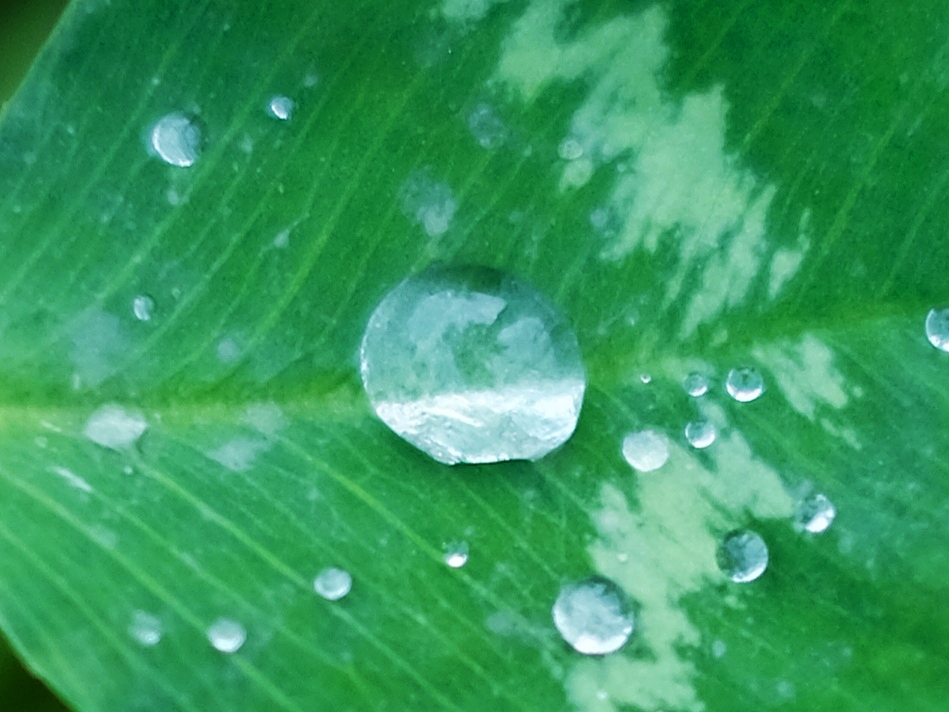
[697,185]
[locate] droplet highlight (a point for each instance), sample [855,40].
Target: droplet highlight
[814,514]
[456,554]
[594,616]
[280,107]
[145,628]
[471,365]
[700,434]
[175,139]
[742,556]
[744,384]
[143,307]
[646,450]
[937,328]
[115,427]
[227,635]
[695,384]
[333,583]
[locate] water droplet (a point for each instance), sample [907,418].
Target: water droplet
[332,583]
[145,628]
[645,378]
[142,307]
[815,514]
[489,131]
[744,384]
[429,202]
[695,384]
[176,139]
[280,107]
[227,635]
[937,328]
[594,616]
[456,554]
[646,450]
[742,556]
[115,427]
[700,434]
[719,648]
[473,365]
[570,149]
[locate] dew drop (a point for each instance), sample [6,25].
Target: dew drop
[700,434]
[489,131]
[937,328]
[815,514]
[744,384]
[143,307]
[645,378]
[742,556]
[719,648]
[115,427]
[227,635]
[570,149]
[472,365]
[456,554]
[145,628]
[176,139]
[332,583]
[646,450]
[594,616]
[280,107]
[695,384]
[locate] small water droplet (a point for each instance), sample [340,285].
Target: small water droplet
[700,434]
[282,239]
[142,307]
[570,149]
[115,427]
[176,139]
[227,635]
[742,556]
[645,378]
[594,616]
[145,628]
[473,365]
[332,583]
[719,649]
[456,554]
[280,107]
[744,384]
[695,384]
[489,131]
[937,328]
[815,514]
[646,450]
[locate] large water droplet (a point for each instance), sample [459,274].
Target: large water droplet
[742,556]
[227,635]
[142,307]
[594,616]
[937,328]
[456,554]
[815,514]
[695,384]
[700,434]
[744,384]
[145,628]
[473,365]
[646,450]
[280,107]
[176,139]
[332,583]
[115,427]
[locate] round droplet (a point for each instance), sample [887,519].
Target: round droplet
[594,616]
[744,384]
[937,328]
[700,434]
[570,149]
[742,556]
[489,131]
[176,139]
[115,427]
[332,583]
[456,554]
[145,628]
[815,514]
[695,384]
[142,307]
[472,365]
[645,378]
[227,635]
[646,450]
[280,107]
